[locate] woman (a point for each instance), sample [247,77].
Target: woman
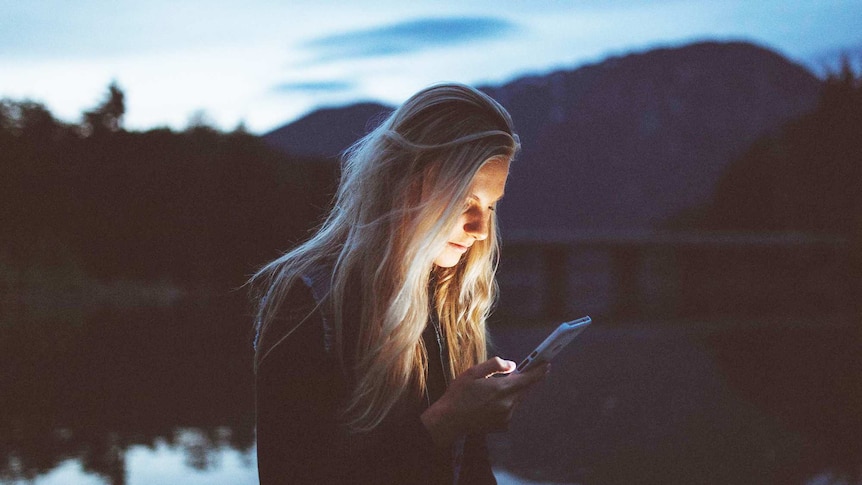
[362,329]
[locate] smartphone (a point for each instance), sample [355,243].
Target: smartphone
[555,342]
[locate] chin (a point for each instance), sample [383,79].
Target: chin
[445,263]
[447,260]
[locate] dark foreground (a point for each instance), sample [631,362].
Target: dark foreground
[692,403]
[733,402]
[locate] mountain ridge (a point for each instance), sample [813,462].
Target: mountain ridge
[311,135]
[628,142]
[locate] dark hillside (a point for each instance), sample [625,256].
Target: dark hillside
[626,143]
[807,178]
[191,207]
[326,132]
[622,144]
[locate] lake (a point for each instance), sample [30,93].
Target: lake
[165,395]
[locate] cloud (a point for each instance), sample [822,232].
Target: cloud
[409,36]
[315,86]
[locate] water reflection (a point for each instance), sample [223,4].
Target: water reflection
[165,395]
[169,465]
[122,380]
[192,461]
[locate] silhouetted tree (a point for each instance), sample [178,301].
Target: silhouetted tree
[241,128]
[107,117]
[5,117]
[31,120]
[841,87]
[807,178]
[192,206]
[200,120]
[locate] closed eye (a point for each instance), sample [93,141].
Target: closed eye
[475,200]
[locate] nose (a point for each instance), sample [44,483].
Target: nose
[477,224]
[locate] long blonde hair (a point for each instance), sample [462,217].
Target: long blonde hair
[403,187]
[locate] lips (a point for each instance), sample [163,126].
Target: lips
[459,247]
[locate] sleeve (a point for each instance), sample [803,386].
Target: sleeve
[299,392]
[476,468]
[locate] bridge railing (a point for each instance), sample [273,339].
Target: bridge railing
[676,275]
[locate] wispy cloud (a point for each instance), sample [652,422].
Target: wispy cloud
[314,86]
[409,36]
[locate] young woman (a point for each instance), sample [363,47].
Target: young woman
[371,347]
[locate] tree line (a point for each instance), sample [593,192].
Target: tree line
[206,205]
[806,178]
[191,206]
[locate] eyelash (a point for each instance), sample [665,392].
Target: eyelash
[490,207]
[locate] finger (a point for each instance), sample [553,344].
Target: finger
[506,372]
[537,372]
[500,420]
[521,380]
[511,414]
[490,367]
[521,393]
[506,421]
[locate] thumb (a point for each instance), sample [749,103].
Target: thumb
[492,366]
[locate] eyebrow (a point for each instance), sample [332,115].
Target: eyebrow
[476,197]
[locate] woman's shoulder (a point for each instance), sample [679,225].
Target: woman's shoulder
[297,305]
[299,326]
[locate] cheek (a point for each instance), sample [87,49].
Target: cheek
[458,229]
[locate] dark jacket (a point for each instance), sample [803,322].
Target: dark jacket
[301,387]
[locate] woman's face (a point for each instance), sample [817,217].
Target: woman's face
[475,222]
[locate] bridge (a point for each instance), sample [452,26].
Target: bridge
[675,274]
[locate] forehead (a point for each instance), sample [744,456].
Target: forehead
[490,180]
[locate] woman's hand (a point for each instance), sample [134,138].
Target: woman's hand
[477,403]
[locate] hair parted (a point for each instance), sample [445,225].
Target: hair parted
[402,188]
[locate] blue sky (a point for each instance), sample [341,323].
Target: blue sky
[266,62]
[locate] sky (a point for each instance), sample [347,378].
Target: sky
[263,63]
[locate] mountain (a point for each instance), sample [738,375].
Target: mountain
[326,132]
[633,140]
[624,144]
